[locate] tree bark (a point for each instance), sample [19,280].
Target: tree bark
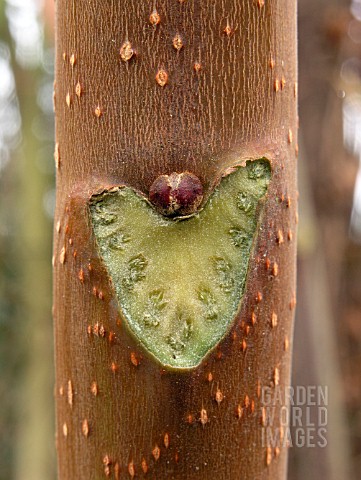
[200,87]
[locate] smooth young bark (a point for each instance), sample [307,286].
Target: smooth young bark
[230,96]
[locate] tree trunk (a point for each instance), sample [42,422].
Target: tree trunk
[189,86]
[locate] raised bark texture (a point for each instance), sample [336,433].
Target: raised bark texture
[145,90]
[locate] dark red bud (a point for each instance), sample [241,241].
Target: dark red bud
[160,193]
[176,194]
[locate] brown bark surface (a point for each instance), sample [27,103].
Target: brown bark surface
[119,413]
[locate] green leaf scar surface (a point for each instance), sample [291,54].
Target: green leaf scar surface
[179,282]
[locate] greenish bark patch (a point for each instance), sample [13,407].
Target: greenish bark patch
[179,282]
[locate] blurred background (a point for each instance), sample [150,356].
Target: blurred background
[328,324]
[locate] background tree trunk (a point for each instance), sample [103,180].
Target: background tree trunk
[26,180]
[230,96]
